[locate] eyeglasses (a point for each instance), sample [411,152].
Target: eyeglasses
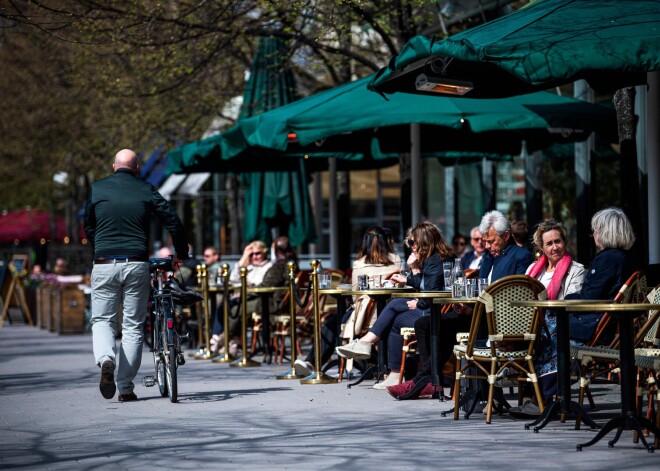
[411,242]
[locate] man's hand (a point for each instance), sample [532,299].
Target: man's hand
[412,304]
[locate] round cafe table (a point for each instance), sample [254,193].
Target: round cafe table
[628,420]
[625,313]
[563,403]
[265,292]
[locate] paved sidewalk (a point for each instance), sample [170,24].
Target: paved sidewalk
[52,416]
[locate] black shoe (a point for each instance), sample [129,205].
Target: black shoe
[528,410]
[107,385]
[127,397]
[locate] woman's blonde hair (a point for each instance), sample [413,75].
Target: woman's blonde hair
[547,226]
[259,246]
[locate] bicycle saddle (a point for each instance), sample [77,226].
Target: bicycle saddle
[164,264]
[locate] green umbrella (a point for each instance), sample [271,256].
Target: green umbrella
[350,114]
[607,42]
[274,199]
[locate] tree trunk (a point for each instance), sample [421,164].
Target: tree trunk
[624,100]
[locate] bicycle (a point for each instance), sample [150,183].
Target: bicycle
[166,294]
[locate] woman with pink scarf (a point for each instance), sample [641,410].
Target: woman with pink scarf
[561,275]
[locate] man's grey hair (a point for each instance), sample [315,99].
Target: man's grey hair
[496,220]
[614,229]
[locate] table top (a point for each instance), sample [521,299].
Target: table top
[374,291]
[267,289]
[585,305]
[558,303]
[422,294]
[451,300]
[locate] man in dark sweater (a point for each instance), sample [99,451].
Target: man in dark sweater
[117,218]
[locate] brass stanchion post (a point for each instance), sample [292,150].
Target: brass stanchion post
[244,360]
[291,373]
[318,377]
[225,357]
[207,328]
[201,350]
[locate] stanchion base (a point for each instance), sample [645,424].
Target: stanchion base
[197,353]
[244,362]
[223,358]
[290,374]
[319,378]
[205,356]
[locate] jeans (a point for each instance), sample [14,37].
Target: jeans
[395,315]
[123,284]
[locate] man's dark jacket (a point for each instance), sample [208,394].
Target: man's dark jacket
[118,215]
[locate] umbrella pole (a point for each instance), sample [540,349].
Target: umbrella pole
[197,354]
[318,377]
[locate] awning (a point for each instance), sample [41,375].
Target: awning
[183,185]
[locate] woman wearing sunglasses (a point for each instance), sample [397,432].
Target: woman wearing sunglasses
[429,251]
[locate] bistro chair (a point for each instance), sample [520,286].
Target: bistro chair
[512,333]
[647,360]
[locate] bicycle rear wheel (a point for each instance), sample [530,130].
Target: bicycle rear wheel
[172,388]
[159,360]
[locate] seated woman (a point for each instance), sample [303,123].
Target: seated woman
[255,259]
[375,257]
[561,276]
[429,251]
[611,267]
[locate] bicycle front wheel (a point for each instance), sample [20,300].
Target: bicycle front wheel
[171,374]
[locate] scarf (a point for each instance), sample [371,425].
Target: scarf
[557,277]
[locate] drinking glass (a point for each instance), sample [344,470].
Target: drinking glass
[363,282]
[405,271]
[470,288]
[447,268]
[483,284]
[324,281]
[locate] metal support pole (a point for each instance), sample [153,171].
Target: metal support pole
[207,328]
[318,377]
[200,350]
[244,360]
[291,373]
[224,276]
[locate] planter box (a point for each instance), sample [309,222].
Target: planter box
[43,306]
[69,311]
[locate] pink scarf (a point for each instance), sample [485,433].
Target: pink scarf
[557,277]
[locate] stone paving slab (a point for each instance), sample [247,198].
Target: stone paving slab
[52,416]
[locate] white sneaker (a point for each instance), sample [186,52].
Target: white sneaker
[391,380]
[302,368]
[355,349]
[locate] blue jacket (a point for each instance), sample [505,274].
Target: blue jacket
[609,269]
[512,260]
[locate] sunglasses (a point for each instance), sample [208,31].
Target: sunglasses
[411,242]
[256,253]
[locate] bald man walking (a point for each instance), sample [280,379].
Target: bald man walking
[117,219]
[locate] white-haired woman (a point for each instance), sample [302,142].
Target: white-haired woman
[611,267]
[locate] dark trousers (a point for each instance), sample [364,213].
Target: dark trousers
[448,330]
